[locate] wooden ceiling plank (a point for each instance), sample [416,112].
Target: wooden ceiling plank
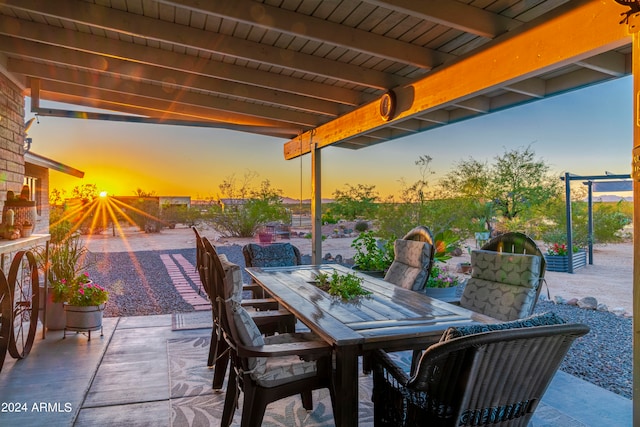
[157,105]
[577,30]
[149,116]
[534,87]
[179,96]
[612,63]
[480,104]
[74,58]
[452,14]
[311,28]
[438,116]
[163,58]
[149,28]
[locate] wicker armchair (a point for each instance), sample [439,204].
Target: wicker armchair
[506,278]
[489,378]
[268,368]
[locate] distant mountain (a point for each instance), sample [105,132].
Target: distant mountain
[611,198]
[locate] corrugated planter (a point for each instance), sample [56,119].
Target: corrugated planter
[560,263]
[84,318]
[444,294]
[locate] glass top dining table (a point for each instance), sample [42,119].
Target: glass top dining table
[391,318]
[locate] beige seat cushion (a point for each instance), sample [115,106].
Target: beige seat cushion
[266,371]
[502,285]
[410,264]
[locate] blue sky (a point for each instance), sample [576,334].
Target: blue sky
[586,132]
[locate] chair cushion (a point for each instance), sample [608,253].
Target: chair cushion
[273,371]
[410,264]
[498,300]
[278,255]
[543,319]
[236,275]
[502,285]
[504,267]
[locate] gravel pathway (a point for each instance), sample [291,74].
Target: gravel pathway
[603,357]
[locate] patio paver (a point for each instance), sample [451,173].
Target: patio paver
[122,378]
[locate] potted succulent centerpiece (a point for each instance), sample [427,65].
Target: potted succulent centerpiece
[442,284]
[372,257]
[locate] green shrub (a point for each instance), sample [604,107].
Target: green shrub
[361,226]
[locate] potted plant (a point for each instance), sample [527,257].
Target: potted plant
[84,307]
[68,258]
[345,286]
[372,257]
[27,229]
[557,257]
[442,284]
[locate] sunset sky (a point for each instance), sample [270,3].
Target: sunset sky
[584,132]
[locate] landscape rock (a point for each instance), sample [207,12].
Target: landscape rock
[559,300]
[619,311]
[602,307]
[572,301]
[589,303]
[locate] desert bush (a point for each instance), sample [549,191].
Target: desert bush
[361,226]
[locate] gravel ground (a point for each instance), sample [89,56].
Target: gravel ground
[602,357]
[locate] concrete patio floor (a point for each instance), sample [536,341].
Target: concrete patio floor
[122,378]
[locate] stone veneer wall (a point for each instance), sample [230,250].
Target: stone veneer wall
[12,165]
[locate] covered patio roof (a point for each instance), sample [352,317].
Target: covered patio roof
[296,67]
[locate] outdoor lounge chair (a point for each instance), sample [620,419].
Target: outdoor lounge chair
[506,277]
[413,259]
[479,376]
[269,368]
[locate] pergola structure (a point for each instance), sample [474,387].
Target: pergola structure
[318,73]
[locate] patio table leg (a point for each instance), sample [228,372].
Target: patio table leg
[346,386]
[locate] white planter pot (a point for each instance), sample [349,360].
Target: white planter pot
[83,319]
[55,311]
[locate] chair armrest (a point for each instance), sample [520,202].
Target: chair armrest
[302,348]
[383,363]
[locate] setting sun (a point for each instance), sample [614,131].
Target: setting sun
[103,194]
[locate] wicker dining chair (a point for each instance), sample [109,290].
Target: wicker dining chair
[496,377]
[267,368]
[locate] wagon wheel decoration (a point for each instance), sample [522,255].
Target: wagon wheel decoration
[23,284]
[6,315]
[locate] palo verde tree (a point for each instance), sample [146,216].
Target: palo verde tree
[246,208]
[354,202]
[514,184]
